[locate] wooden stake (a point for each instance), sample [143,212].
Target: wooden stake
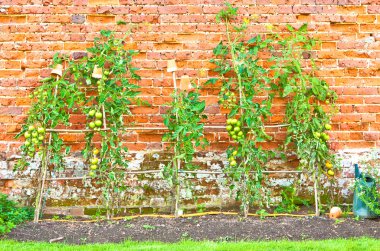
[316,193]
[178,161]
[44,167]
[104,119]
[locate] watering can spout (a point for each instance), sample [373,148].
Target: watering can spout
[357,172]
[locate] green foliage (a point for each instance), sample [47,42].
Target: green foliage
[290,201]
[104,100]
[52,102]
[310,101]
[12,215]
[243,75]
[116,91]
[240,72]
[183,120]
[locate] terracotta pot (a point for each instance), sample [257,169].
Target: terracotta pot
[335,213]
[97,72]
[171,66]
[57,70]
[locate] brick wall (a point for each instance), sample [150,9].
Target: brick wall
[31,31]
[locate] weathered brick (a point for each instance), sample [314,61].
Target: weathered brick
[101,18]
[78,19]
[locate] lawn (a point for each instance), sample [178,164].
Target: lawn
[339,244]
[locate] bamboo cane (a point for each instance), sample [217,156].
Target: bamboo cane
[44,167]
[178,161]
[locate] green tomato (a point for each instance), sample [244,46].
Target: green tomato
[240,133]
[34,134]
[317,135]
[238,123]
[234,136]
[237,129]
[98,115]
[41,130]
[92,174]
[93,167]
[31,128]
[27,135]
[91,125]
[35,141]
[27,143]
[233,163]
[94,161]
[234,153]
[31,154]
[95,151]
[229,121]
[325,137]
[232,133]
[328,127]
[41,138]
[91,113]
[98,123]
[234,121]
[106,73]
[229,127]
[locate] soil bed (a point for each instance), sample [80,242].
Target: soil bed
[215,228]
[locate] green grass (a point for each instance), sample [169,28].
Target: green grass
[339,245]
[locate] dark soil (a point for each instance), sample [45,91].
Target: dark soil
[217,228]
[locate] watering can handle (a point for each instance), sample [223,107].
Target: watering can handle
[357,172]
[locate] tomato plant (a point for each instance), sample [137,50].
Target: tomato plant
[242,76]
[310,103]
[308,112]
[52,102]
[116,91]
[101,85]
[183,120]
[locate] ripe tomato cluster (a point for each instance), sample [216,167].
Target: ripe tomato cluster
[34,138]
[94,162]
[97,122]
[227,98]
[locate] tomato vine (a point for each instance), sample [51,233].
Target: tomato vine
[183,120]
[308,111]
[101,85]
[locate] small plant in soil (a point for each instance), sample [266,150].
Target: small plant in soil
[149,227]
